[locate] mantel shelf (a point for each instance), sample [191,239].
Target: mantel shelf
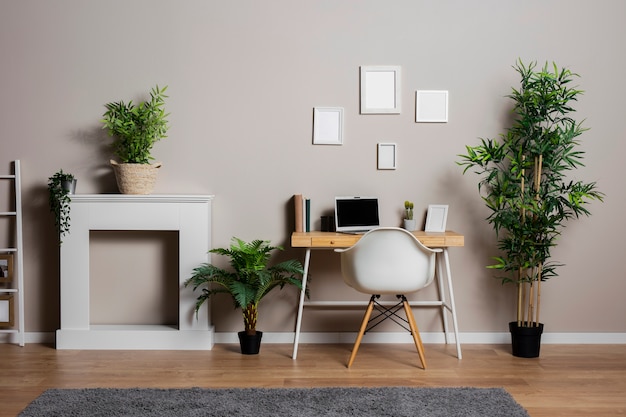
[133,198]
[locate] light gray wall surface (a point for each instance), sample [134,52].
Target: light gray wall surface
[244,77]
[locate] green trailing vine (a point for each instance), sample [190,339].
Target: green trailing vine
[59,201]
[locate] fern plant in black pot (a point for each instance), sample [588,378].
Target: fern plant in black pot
[525,183]
[249,279]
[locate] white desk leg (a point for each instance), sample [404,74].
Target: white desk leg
[442,295]
[452,304]
[296,339]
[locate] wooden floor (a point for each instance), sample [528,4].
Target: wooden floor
[567,380]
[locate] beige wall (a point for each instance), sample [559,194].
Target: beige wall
[243,79]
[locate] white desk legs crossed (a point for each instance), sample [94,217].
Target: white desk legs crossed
[452,306]
[307,259]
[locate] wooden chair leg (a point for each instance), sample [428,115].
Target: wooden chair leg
[366,319]
[415,332]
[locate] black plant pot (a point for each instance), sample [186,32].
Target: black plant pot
[250,344]
[525,341]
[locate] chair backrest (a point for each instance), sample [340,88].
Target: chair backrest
[388,260]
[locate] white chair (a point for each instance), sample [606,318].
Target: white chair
[388,260]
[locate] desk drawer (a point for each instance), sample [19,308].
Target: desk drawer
[338,241]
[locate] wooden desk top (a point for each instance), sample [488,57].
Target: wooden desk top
[344,240]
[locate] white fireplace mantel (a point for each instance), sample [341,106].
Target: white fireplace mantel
[190,215]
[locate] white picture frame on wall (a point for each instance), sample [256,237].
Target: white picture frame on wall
[328,125]
[431,106]
[387,156]
[380,89]
[436,218]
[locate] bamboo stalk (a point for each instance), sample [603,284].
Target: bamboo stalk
[531,305]
[539,273]
[520,298]
[538,170]
[520,283]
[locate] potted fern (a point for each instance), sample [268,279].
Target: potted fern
[249,279]
[136,128]
[60,186]
[525,183]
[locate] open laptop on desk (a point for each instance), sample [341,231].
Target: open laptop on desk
[356,215]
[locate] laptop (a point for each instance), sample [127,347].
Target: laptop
[356,214]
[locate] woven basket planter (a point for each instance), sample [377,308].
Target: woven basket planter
[135,178]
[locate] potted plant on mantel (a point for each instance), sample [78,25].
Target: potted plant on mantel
[136,129]
[60,186]
[526,186]
[248,282]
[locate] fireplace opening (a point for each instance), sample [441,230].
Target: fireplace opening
[133,277]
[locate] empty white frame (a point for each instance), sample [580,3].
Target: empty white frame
[386,156]
[380,90]
[431,106]
[328,126]
[436,218]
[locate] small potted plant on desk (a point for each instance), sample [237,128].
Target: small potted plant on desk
[60,186]
[526,185]
[248,282]
[409,222]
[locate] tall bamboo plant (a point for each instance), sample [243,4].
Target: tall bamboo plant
[525,181]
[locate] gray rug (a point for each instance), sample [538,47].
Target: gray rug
[266,402]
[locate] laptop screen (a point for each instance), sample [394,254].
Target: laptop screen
[356,214]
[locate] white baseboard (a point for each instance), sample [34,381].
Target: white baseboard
[435,337]
[29,337]
[378,337]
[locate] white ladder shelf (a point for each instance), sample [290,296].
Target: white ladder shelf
[16,286]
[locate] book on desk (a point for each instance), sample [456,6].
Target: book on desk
[302,215]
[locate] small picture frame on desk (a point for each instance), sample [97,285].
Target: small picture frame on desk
[436,218]
[6,268]
[6,310]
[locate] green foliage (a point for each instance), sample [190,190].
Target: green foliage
[524,179]
[408,209]
[59,201]
[137,128]
[249,279]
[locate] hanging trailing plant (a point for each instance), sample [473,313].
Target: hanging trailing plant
[59,190]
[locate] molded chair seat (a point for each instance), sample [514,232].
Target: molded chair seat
[388,260]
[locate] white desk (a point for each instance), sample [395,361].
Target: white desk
[331,241]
